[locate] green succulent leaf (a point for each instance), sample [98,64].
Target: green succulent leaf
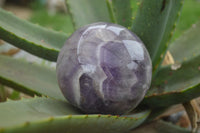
[168,88]
[160,126]
[84,12]
[175,86]
[30,37]
[155,112]
[47,115]
[188,44]
[154,24]
[29,78]
[181,85]
[120,11]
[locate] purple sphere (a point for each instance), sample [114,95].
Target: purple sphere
[104,68]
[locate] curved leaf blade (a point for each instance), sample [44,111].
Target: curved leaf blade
[30,37]
[84,12]
[26,110]
[171,87]
[121,11]
[29,78]
[175,86]
[161,127]
[154,24]
[48,115]
[188,44]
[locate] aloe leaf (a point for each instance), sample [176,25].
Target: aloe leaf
[187,46]
[30,37]
[175,86]
[160,127]
[29,78]
[84,12]
[47,115]
[154,24]
[155,113]
[111,11]
[34,79]
[121,12]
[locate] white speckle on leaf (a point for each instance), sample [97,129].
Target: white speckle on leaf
[175,66]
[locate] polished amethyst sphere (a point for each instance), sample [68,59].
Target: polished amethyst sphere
[104,68]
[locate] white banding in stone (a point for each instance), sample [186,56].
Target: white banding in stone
[88,68]
[135,49]
[132,65]
[76,86]
[85,68]
[116,30]
[104,77]
[88,29]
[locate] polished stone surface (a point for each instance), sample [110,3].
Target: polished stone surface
[104,68]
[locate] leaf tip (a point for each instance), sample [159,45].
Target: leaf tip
[138,3]
[8,99]
[51,118]
[199,68]
[86,116]
[27,123]
[69,116]
[2,130]
[125,117]
[109,115]
[116,116]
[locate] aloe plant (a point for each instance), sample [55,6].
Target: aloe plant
[49,111]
